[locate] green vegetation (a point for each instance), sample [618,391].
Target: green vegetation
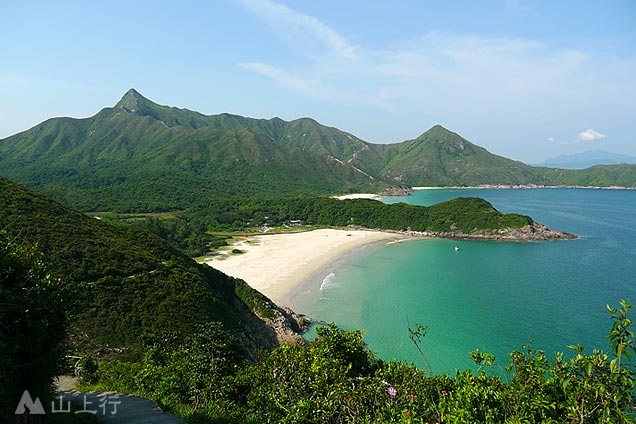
[336,379]
[143,157]
[192,240]
[596,176]
[463,214]
[151,321]
[149,161]
[122,282]
[123,285]
[443,158]
[32,326]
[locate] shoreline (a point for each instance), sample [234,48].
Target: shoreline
[378,196]
[278,264]
[521,187]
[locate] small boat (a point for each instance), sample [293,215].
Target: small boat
[456,248]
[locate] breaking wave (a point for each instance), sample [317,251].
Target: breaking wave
[328,282]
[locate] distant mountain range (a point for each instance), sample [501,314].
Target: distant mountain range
[141,156]
[588,159]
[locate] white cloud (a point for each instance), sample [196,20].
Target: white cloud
[587,135]
[590,135]
[465,80]
[438,64]
[304,86]
[298,28]
[312,87]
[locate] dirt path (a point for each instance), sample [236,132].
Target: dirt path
[114,408]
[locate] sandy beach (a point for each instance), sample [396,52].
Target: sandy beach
[275,264]
[358,196]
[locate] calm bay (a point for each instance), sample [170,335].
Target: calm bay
[491,296]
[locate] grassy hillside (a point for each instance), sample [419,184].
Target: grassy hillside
[622,175]
[304,133]
[123,285]
[438,157]
[122,161]
[141,156]
[442,158]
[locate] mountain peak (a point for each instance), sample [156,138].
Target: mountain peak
[439,133]
[132,100]
[438,127]
[437,130]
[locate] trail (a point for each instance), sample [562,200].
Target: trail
[115,408]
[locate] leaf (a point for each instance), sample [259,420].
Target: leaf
[613,365]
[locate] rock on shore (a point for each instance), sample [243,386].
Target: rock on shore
[397,191]
[532,232]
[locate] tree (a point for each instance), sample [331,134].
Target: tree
[32,326]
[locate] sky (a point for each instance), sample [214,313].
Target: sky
[527,80]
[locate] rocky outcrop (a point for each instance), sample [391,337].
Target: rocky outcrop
[269,327]
[532,232]
[288,326]
[397,191]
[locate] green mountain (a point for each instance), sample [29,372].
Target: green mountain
[443,158]
[141,156]
[123,285]
[622,175]
[304,133]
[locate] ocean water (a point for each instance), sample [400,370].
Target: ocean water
[491,296]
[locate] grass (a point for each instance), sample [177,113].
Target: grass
[127,217]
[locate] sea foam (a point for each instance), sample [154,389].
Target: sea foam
[328,282]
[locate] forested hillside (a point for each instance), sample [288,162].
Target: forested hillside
[622,175]
[144,160]
[139,156]
[121,283]
[440,157]
[468,215]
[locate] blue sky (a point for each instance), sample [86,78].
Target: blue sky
[525,79]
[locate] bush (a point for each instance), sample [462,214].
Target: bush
[32,327]
[336,379]
[88,370]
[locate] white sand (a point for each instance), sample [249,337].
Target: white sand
[275,264]
[358,196]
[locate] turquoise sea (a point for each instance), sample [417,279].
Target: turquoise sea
[494,296]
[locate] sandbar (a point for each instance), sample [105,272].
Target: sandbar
[276,264]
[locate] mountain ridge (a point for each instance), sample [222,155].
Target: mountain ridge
[156,150]
[588,159]
[142,156]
